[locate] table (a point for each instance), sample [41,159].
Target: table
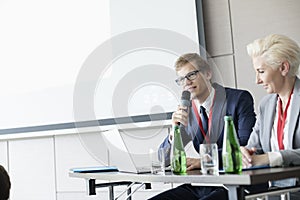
[234,182]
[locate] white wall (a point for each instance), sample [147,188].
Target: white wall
[231,25]
[39,166]
[31,169]
[4,154]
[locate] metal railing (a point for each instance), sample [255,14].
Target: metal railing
[280,193]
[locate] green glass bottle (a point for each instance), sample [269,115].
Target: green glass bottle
[231,153]
[178,160]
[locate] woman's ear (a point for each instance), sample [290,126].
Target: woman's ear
[285,68]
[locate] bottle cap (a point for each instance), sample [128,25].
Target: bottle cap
[227,118]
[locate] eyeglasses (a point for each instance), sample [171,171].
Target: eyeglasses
[190,76]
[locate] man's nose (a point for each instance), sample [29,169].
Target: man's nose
[187,81]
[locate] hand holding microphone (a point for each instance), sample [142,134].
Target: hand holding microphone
[181,115]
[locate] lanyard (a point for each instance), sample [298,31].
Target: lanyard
[200,122]
[281,120]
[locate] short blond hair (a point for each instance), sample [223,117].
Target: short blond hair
[275,49]
[193,58]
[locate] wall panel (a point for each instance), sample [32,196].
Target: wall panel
[31,167]
[255,19]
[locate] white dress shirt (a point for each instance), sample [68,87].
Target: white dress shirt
[275,157]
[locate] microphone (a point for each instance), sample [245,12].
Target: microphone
[185,100]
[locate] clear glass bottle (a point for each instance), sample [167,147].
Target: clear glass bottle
[231,153]
[178,160]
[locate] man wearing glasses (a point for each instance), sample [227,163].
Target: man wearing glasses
[212,101]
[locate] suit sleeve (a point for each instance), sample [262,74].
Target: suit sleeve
[245,117]
[254,140]
[240,106]
[291,157]
[166,145]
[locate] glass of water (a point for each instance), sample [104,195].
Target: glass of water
[157,159]
[209,159]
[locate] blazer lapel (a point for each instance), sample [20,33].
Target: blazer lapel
[295,107]
[269,121]
[219,111]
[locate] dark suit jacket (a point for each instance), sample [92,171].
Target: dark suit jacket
[228,101]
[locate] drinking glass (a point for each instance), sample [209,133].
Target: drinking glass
[157,159]
[209,159]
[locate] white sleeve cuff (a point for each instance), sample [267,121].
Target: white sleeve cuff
[275,159]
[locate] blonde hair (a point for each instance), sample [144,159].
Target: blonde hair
[193,58]
[275,49]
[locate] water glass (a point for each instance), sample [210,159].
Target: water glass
[209,159]
[157,159]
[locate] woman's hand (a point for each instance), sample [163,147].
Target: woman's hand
[247,156]
[258,160]
[251,159]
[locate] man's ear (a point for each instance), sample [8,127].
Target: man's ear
[285,68]
[208,75]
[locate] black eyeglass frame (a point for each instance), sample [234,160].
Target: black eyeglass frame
[180,80]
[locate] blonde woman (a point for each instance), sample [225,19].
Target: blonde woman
[275,139]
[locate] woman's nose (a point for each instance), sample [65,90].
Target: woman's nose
[257,79]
